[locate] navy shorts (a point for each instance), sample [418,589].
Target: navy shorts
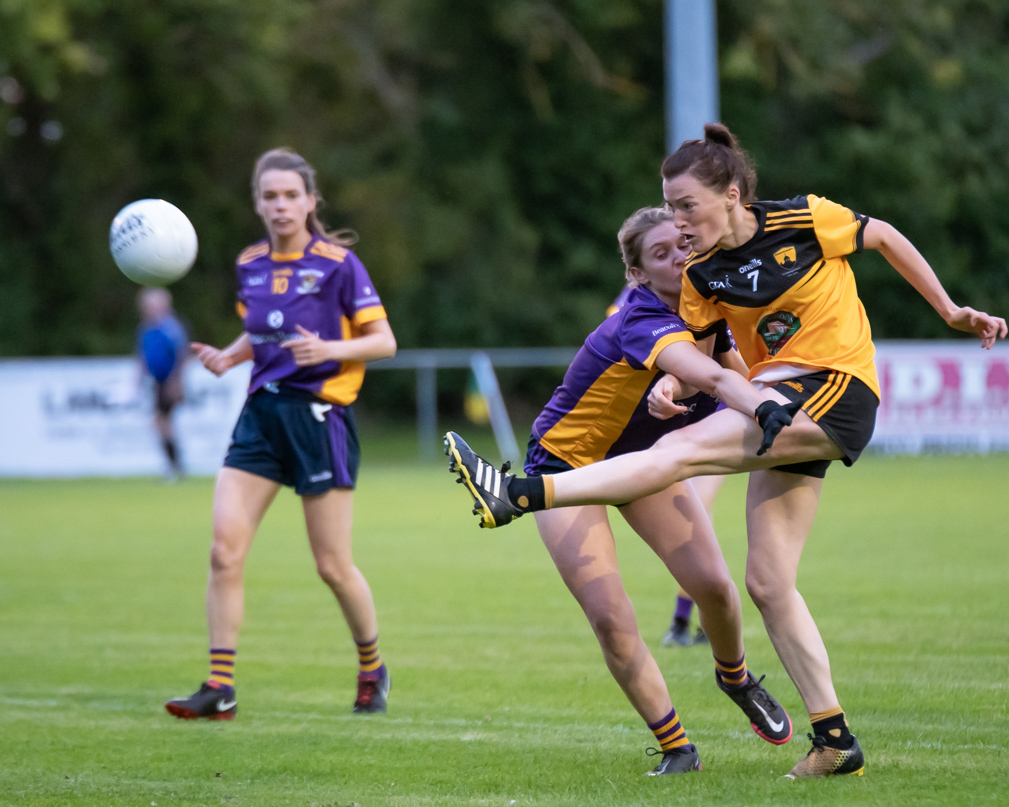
[539,461]
[296,439]
[840,404]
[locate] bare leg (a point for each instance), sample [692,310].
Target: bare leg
[328,518]
[724,443]
[780,508]
[240,502]
[673,523]
[580,541]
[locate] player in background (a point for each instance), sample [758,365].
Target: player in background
[312,318]
[162,348]
[601,410]
[777,273]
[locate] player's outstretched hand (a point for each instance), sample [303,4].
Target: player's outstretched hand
[986,327]
[773,417]
[308,349]
[214,359]
[661,403]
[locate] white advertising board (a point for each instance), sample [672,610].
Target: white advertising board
[95,417]
[942,396]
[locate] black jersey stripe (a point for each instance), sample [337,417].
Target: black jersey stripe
[790,225]
[788,214]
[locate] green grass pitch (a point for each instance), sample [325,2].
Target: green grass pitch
[500,695]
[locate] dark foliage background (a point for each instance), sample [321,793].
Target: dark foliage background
[486,152]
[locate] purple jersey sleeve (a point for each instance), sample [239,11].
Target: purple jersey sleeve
[358,296]
[647,330]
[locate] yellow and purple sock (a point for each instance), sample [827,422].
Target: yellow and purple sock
[370,667]
[669,733]
[732,674]
[222,668]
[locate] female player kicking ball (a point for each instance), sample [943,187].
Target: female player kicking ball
[776,272]
[601,410]
[312,318]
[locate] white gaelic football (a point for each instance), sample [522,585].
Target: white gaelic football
[152,242]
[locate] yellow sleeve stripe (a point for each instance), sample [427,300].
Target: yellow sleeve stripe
[241,309]
[370,314]
[328,250]
[694,258]
[664,342]
[253,252]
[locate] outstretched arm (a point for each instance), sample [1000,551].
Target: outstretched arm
[690,366]
[687,363]
[220,361]
[902,256]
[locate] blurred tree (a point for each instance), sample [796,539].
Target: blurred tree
[899,110]
[486,152]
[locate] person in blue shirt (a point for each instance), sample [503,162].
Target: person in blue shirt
[163,347]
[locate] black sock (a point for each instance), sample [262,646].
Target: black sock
[528,493]
[171,451]
[834,730]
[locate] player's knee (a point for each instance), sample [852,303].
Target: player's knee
[617,632]
[715,593]
[224,557]
[667,455]
[766,589]
[333,573]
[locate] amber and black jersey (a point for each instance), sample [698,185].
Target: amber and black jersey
[788,294]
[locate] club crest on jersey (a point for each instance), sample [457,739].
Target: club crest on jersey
[777,329]
[308,281]
[275,319]
[785,257]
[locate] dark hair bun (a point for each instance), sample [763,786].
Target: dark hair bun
[719,133]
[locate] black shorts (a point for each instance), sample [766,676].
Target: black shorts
[296,439]
[840,404]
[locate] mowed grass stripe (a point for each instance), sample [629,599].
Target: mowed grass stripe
[499,690]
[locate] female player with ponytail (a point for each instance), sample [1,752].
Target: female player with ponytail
[312,319]
[777,273]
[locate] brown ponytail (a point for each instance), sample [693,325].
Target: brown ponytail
[716,162]
[283,159]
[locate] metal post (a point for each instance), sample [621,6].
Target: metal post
[486,380]
[691,55]
[427,411]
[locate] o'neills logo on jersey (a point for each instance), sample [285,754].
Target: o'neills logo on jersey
[749,267]
[777,329]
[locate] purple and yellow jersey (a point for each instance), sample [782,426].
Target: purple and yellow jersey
[324,289]
[601,408]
